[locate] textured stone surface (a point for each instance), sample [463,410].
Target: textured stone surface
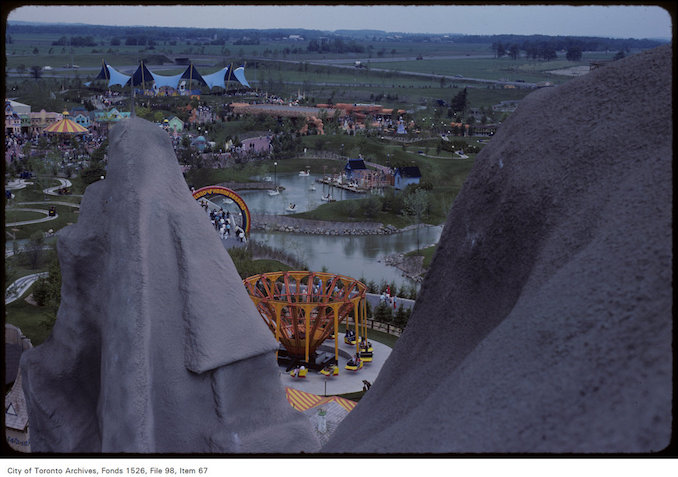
[156,347]
[545,321]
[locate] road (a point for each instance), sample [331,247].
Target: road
[347,63]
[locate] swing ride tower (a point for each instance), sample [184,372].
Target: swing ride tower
[303,309]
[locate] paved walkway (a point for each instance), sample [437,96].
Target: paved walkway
[34,221]
[19,287]
[42,211]
[17,184]
[346,381]
[62,183]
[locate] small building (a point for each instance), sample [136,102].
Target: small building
[16,414]
[175,124]
[82,119]
[200,143]
[19,108]
[12,120]
[104,119]
[405,176]
[41,120]
[257,145]
[355,169]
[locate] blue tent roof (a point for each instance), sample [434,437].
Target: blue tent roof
[192,74]
[144,76]
[171,81]
[239,73]
[115,77]
[216,79]
[141,76]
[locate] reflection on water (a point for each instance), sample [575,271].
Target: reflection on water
[355,256]
[297,190]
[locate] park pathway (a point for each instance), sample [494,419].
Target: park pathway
[21,285]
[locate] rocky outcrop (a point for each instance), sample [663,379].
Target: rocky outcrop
[281,223]
[544,323]
[157,347]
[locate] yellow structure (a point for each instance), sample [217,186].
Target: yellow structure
[302,309]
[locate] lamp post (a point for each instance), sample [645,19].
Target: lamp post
[275,175]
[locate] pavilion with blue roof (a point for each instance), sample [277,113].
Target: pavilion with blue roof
[144,77]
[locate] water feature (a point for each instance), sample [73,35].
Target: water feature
[297,190]
[353,255]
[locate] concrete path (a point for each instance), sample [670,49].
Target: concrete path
[373,299]
[62,183]
[33,221]
[19,287]
[17,184]
[43,211]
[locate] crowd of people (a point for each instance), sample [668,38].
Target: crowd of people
[223,222]
[388,299]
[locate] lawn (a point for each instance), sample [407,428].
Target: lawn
[12,215]
[34,321]
[66,216]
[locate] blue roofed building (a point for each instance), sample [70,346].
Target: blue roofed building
[405,176]
[355,169]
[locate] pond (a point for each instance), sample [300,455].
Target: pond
[356,256]
[303,191]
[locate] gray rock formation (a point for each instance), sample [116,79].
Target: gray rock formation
[157,348]
[544,323]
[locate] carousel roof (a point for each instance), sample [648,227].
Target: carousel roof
[65,126]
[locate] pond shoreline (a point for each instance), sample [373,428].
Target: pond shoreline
[282,223]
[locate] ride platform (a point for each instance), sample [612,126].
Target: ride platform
[346,381]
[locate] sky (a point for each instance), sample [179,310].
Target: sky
[614,21]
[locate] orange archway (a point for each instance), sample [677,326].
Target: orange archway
[226,192]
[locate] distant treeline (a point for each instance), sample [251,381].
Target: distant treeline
[530,43]
[318,40]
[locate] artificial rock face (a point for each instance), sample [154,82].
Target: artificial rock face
[157,347]
[544,323]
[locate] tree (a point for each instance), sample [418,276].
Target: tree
[620,54]
[514,51]
[21,69]
[401,317]
[417,204]
[34,250]
[460,102]
[573,54]
[47,291]
[36,72]
[383,313]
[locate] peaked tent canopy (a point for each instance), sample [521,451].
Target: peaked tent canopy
[65,126]
[170,81]
[216,79]
[192,74]
[145,77]
[142,76]
[103,72]
[111,75]
[240,75]
[116,77]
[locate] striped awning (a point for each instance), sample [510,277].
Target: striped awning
[302,401]
[66,126]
